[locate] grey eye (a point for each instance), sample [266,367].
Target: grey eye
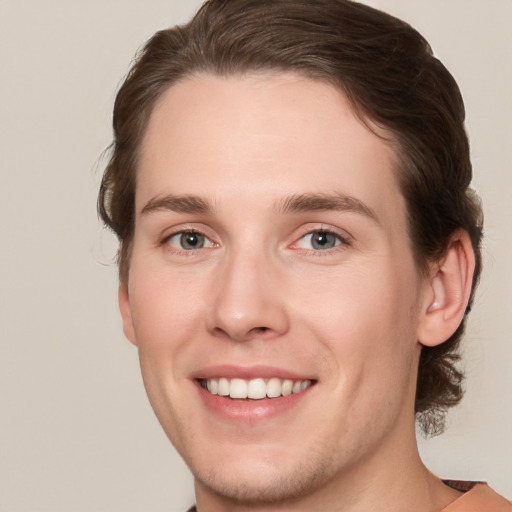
[320,240]
[189,241]
[323,240]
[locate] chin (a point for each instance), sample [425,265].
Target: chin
[260,482]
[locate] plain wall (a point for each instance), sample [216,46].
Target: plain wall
[76,431]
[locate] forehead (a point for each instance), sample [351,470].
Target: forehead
[263,136]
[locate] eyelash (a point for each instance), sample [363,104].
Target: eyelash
[342,241]
[166,240]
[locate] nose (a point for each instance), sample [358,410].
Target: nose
[250,298]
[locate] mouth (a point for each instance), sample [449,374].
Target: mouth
[252,395]
[254,389]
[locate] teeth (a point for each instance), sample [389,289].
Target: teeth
[288,387]
[223,388]
[255,389]
[213,386]
[273,388]
[238,388]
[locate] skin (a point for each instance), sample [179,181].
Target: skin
[351,317]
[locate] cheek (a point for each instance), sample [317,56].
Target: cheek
[366,323]
[166,316]
[347,303]
[167,312]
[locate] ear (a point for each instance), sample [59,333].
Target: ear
[126,313]
[448,292]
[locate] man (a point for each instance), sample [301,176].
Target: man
[289,182]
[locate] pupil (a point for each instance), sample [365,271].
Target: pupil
[191,240]
[323,241]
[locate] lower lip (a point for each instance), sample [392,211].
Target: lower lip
[250,411]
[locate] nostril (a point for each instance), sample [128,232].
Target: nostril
[253,331]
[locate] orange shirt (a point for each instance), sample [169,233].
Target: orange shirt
[479,498]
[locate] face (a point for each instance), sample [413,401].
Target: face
[272,295]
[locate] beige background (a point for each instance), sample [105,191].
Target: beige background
[76,432]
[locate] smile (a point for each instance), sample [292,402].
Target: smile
[254,389]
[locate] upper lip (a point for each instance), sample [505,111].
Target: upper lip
[248,372]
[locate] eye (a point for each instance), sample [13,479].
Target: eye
[320,240]
[189,241]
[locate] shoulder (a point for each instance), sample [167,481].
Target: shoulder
[477,497]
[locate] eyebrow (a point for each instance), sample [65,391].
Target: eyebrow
[323,202]
[299,203]
[178,204]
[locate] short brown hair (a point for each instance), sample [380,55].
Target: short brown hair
[389,74]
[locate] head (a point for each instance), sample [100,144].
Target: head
[394,86]
[387,71]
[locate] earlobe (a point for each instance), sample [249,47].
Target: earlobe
[126,313]
[449,290]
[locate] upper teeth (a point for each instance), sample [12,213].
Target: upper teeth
[255,388]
